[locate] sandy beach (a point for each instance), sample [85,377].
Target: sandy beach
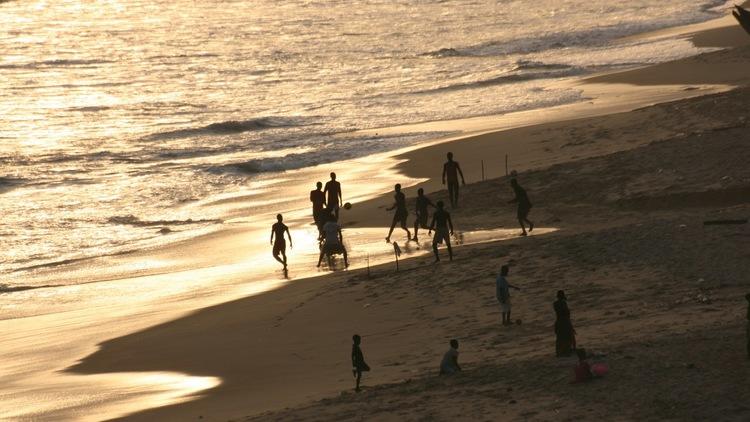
[620,198]
[654,291]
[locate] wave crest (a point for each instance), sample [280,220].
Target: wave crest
[132,220]
[228,127]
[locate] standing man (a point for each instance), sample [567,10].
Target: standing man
[333,191]
[318,199]
[451,170]
[503,293]
[422,214]
[279,246]
[400,215]
[441,221]
[524,205]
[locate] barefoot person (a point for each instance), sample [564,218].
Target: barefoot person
[400,215]
[441,222]
[333,240]
[358,360]
[279,246]
[449,364]
[524,205]
[564,332]
[502,288]
[422,213]
[451,170]
[333,191]
[318,199]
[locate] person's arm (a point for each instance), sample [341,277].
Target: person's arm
[289,234]
[513,287]
[450,224]
[431,204]
[432,225]
[515,199]
[445,170]
[463,182]
[341,198]
[341,237]
[455,362]
[391,207]
[272,233]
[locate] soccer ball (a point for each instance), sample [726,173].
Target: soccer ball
[348,205]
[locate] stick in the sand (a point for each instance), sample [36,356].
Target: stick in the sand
[397,252]
[483,170]
[506,165]
[718,222]
[368,265]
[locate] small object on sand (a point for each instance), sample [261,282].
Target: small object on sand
[599,369]
[723,222]
[348,205]
[518,321]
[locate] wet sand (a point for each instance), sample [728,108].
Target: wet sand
[626,194]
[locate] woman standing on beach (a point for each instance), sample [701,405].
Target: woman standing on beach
[564,331]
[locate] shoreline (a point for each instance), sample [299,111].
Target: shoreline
[271,302]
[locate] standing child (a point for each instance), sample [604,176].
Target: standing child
[503,293]
[358,360]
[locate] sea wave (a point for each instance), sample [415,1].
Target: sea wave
[54,63]
[228,127]
[549,73]
[132,220]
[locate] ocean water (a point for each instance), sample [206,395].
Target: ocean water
[120,118]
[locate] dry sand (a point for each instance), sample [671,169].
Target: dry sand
[649,286]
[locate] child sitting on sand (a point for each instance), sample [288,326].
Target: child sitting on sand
[582,371]
[358,360]
[449,365]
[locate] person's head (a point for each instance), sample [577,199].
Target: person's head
[581,352]
[561,295]
[319,185]
[333,176]
[504,270]
[450,156]
[279,218]
[514,183]
[454,344]
[440,204]
[420,192]
[357,339]
[397,187]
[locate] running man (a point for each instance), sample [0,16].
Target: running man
[524,206]
[400,215]
[333,240]
[451,170]
[279,246]
[441,221]
[318,199]
[422,214]
[333,191]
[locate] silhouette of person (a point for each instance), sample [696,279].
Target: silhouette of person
[318,199]
[524,205]
[279,246]
[564,332]
[449,365]
[503,293]
[333,191]
[422,213]
[451,170]
[401,213]
[747,297]
[358,360]
[333,240]
[441,222]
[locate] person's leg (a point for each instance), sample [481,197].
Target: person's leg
[455,192]
[435,249]
[346,260]
[276,253]
[416,229]
[283,255]
[451,186]
[448,245]
[359,378]
[509,320]
[336,211]
[393,226]
[322,253]
[403,226]
[520,222]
